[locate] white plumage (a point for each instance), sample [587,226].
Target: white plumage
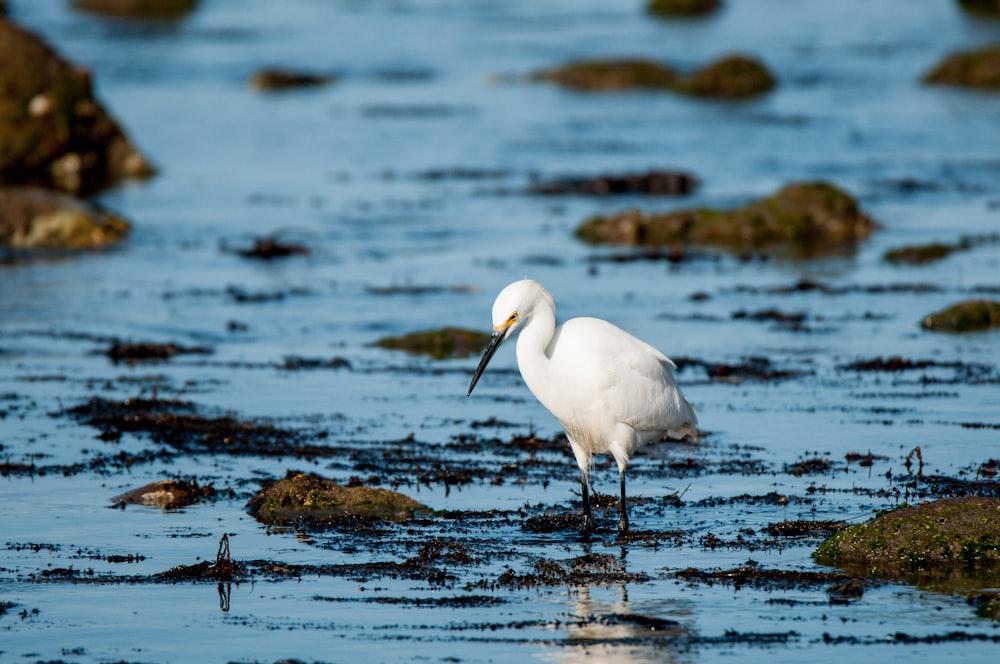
[611,392]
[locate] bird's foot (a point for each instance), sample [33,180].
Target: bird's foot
[623,524]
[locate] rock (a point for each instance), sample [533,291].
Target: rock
[673,8]
[270,80]
[731,77]
[137,8]
[983,7]
[53,132]
[808,219]
[650,183]
[32,218]
[919,254]
[942,539]
[964,316]
[448,342]
[168,494]
[305,497]
[978,69]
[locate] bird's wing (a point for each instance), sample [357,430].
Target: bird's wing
[628,379]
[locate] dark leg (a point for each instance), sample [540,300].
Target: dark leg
[585,492]
[623,519]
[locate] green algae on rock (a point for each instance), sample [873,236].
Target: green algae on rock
[53,132]
[676,8]
[301,497]
[964,316]
[33,218]
[445,343]
[939,540]
[978,69]
[137,8]
[808,219]
[730,77]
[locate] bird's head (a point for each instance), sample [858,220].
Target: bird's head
[513,307]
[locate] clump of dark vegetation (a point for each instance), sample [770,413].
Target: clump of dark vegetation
[964,316]
[752,575]
[752,368]
[178,424]
[444,343]
[275,79]
[649,183]
[32,218]
[675,8]
[730,77]
[138,8]
[803,219]
[954,538]
[148,351]
[985,7]
[592,569]
[979,69]
[269,248]
[309,498]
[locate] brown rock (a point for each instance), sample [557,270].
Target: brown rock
[32,218]
[53,132]
[308,497]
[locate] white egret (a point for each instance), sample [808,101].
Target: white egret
[611,392]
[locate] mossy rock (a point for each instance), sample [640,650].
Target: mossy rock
[964,316]
[445,343]
[53,132]
[137,8]
[681,8]
[32,218]
[953,543]
[805,219]
[983,7]
[919,254]
[730,77]
[301,498]
[978,69]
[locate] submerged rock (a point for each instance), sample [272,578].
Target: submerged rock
[448,342]
[308,497]
[978,69]
[730,77]
[951,539]
[270,80]
[137,8]
[33,218]
[809,219]
[964,316]
[168,494]
[52,131]
[672,8]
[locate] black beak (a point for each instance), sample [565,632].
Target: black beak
[491,347]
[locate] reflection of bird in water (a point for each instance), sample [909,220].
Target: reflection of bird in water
[611,392]
[609,631]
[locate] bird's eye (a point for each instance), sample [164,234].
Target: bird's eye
[512,318]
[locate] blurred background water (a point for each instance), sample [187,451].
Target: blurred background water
[410,170]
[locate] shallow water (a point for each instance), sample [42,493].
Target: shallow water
[409,170]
